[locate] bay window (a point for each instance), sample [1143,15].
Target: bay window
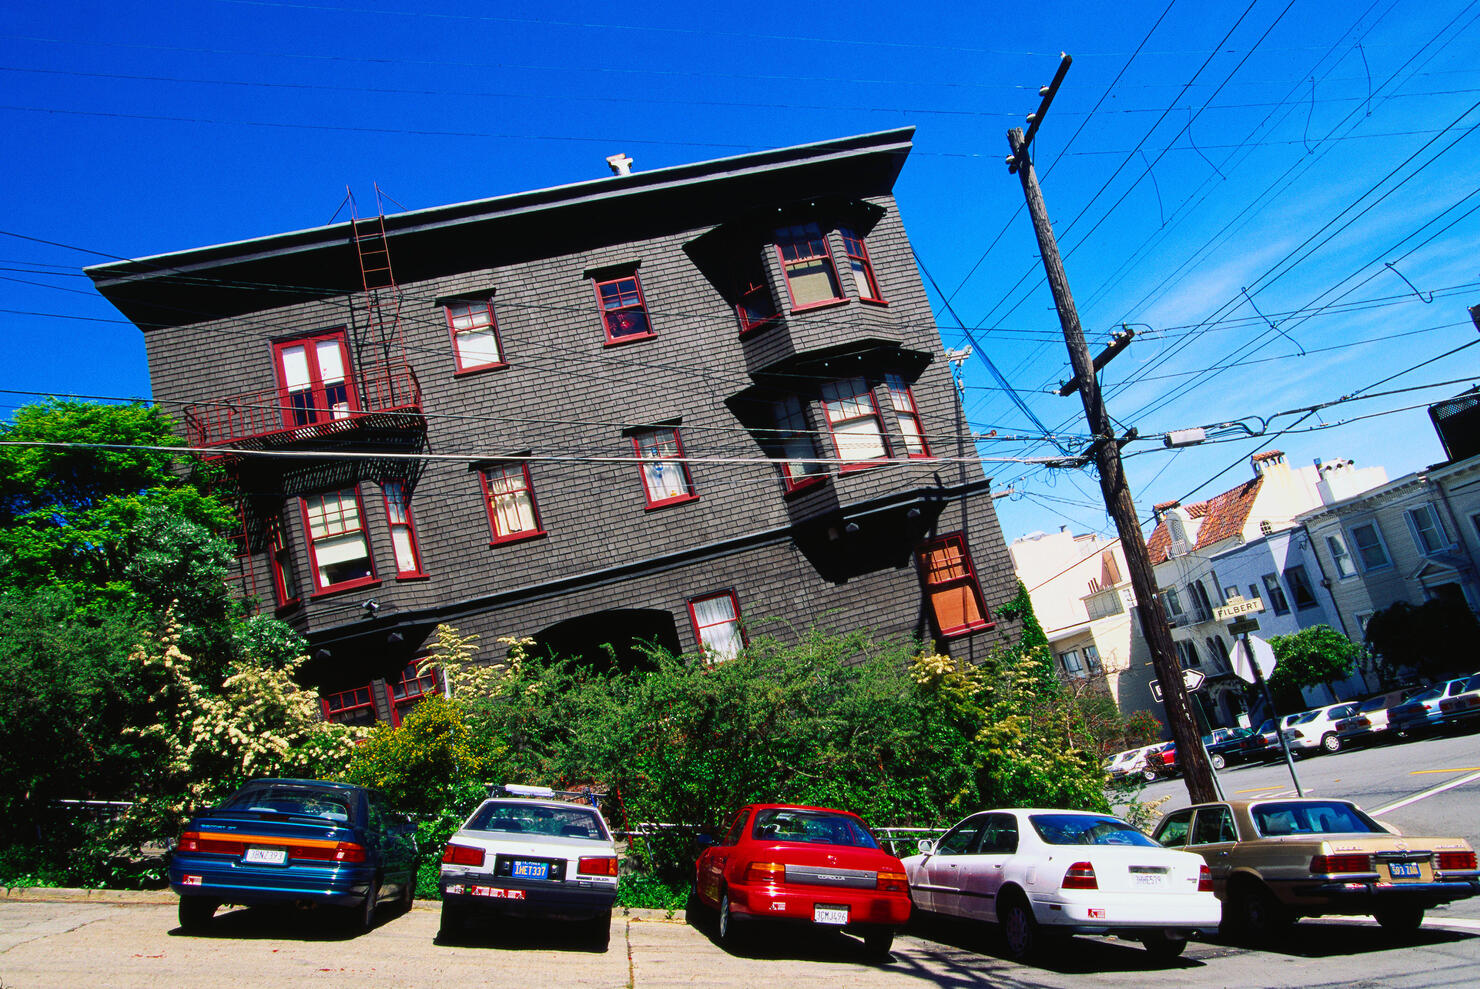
[349,707]
[863,269]
[793,439]
[907,415]
[336,540]
[854,421]
[811,277]
[406,689]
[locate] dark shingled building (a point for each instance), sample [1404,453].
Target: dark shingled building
[667,406]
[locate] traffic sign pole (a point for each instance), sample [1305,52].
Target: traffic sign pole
[1279,731]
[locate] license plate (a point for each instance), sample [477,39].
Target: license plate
[266,856]
[1147,880]
[530,870]
[496,893]
[830,915]
[1403,870]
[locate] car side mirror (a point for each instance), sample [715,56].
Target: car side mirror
[926,846]
[705,841]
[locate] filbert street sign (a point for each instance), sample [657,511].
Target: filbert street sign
[1237,607]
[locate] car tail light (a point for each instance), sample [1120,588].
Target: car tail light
[893,882]
[1080,875]
[597,865]
[462,855]
[773,873]
[343,851]
[1329,864]
[1204,879]
[1456,861]
[194,841]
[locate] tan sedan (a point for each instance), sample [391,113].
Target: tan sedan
[1274,861]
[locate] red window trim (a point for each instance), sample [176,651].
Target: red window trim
[850,237]
[854,465]
[372,580]
[495,537]
[747,327]
[410,526]
[690,495]
[410,701]
[791,484]
[606,326]
[330,710]
[969,579]
[472,304]
[782,236]
[277,549]
[316,384]
[912,412]
[734,604]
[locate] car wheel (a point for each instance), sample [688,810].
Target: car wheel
[196,912]
[1261,917]
[728,924]
[698,913]
[1020,929]
[877,941]
[361,918]
[1400,919]
[1331,742]
[1218,761]
[1160,944]
[408,895]
[600,928]
[454,919]
[1149,775]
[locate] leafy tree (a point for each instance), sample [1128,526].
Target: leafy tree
[1434,638]
[1311,657]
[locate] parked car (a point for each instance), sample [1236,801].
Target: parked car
[1369,723]
[1231,744]
[1421,713]
[804,865]
[1315,731]
[1270,747]
[1127,763]
[1160,761]
[1038,872]
[1274,861]
[288,841]
[530,855]
[1461,711]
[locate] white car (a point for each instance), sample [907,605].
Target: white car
[1127,763]
[1038,873]
[1316,730]
[527,856]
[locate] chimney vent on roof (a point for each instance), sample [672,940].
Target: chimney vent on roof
[619,163]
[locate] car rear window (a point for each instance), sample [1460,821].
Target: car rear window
[814,827]
[1086,829]
[1311,817]
[508,817]
[298,801]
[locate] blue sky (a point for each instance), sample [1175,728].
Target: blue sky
[1195,150]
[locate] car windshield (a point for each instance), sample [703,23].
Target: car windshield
[1473,683]
[1298,817]
[1307,716]
[511,817]
[1433,693]
[298,801]
[1086,829]
[1267,726]
[816,827]
[1374,704]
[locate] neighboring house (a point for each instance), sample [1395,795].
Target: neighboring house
[1082,596]
[1413,539]
[1246,541]
[655,407]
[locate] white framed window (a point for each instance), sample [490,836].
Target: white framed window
[716,619]
[1092,660]
[1427,530]
[336,539]
[403,529]
[1073,665]
[475,342]
[1341,556]
[1370,546]
[665,474]
[1276,594]
[509,498]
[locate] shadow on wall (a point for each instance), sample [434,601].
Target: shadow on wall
[605,640]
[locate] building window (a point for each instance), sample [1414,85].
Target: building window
[1276,595]
[1428,532]
[407,690]
[336,539]
[475,343]
[1202,608]
[1300,589]
[509,496]
[1341,556]
[907,414]
[794,443]
[1092,660]
[403,529]
[313,375]
[284,584]
[1217,650]
[951,584]
[863,268]
[1072,664]
[1173,602]
[854,420]
[349,707]
[811,277]
[623,310]
[755,306]
[665,476]
[1187,653]
[1368,540]
[716,619]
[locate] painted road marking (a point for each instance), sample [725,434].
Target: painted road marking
[1259,789]
[1425,794]
[1461,769]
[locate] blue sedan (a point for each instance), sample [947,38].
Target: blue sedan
[283,841]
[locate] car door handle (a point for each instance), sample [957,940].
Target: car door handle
[998,866]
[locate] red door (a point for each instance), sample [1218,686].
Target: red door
[313,379]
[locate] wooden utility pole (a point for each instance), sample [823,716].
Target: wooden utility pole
[1191,755]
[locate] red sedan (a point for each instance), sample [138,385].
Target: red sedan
[806,865]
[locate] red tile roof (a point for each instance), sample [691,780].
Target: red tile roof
[1267,455]
[1223,516]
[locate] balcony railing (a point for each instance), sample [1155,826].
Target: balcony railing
[288,416]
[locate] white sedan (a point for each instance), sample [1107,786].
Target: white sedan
[1041,873]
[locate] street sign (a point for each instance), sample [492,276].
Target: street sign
[1191,680]
[1243,625]
[1236,607]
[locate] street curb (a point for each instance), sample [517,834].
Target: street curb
[162,897]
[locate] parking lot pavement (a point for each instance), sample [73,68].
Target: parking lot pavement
[94,942]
